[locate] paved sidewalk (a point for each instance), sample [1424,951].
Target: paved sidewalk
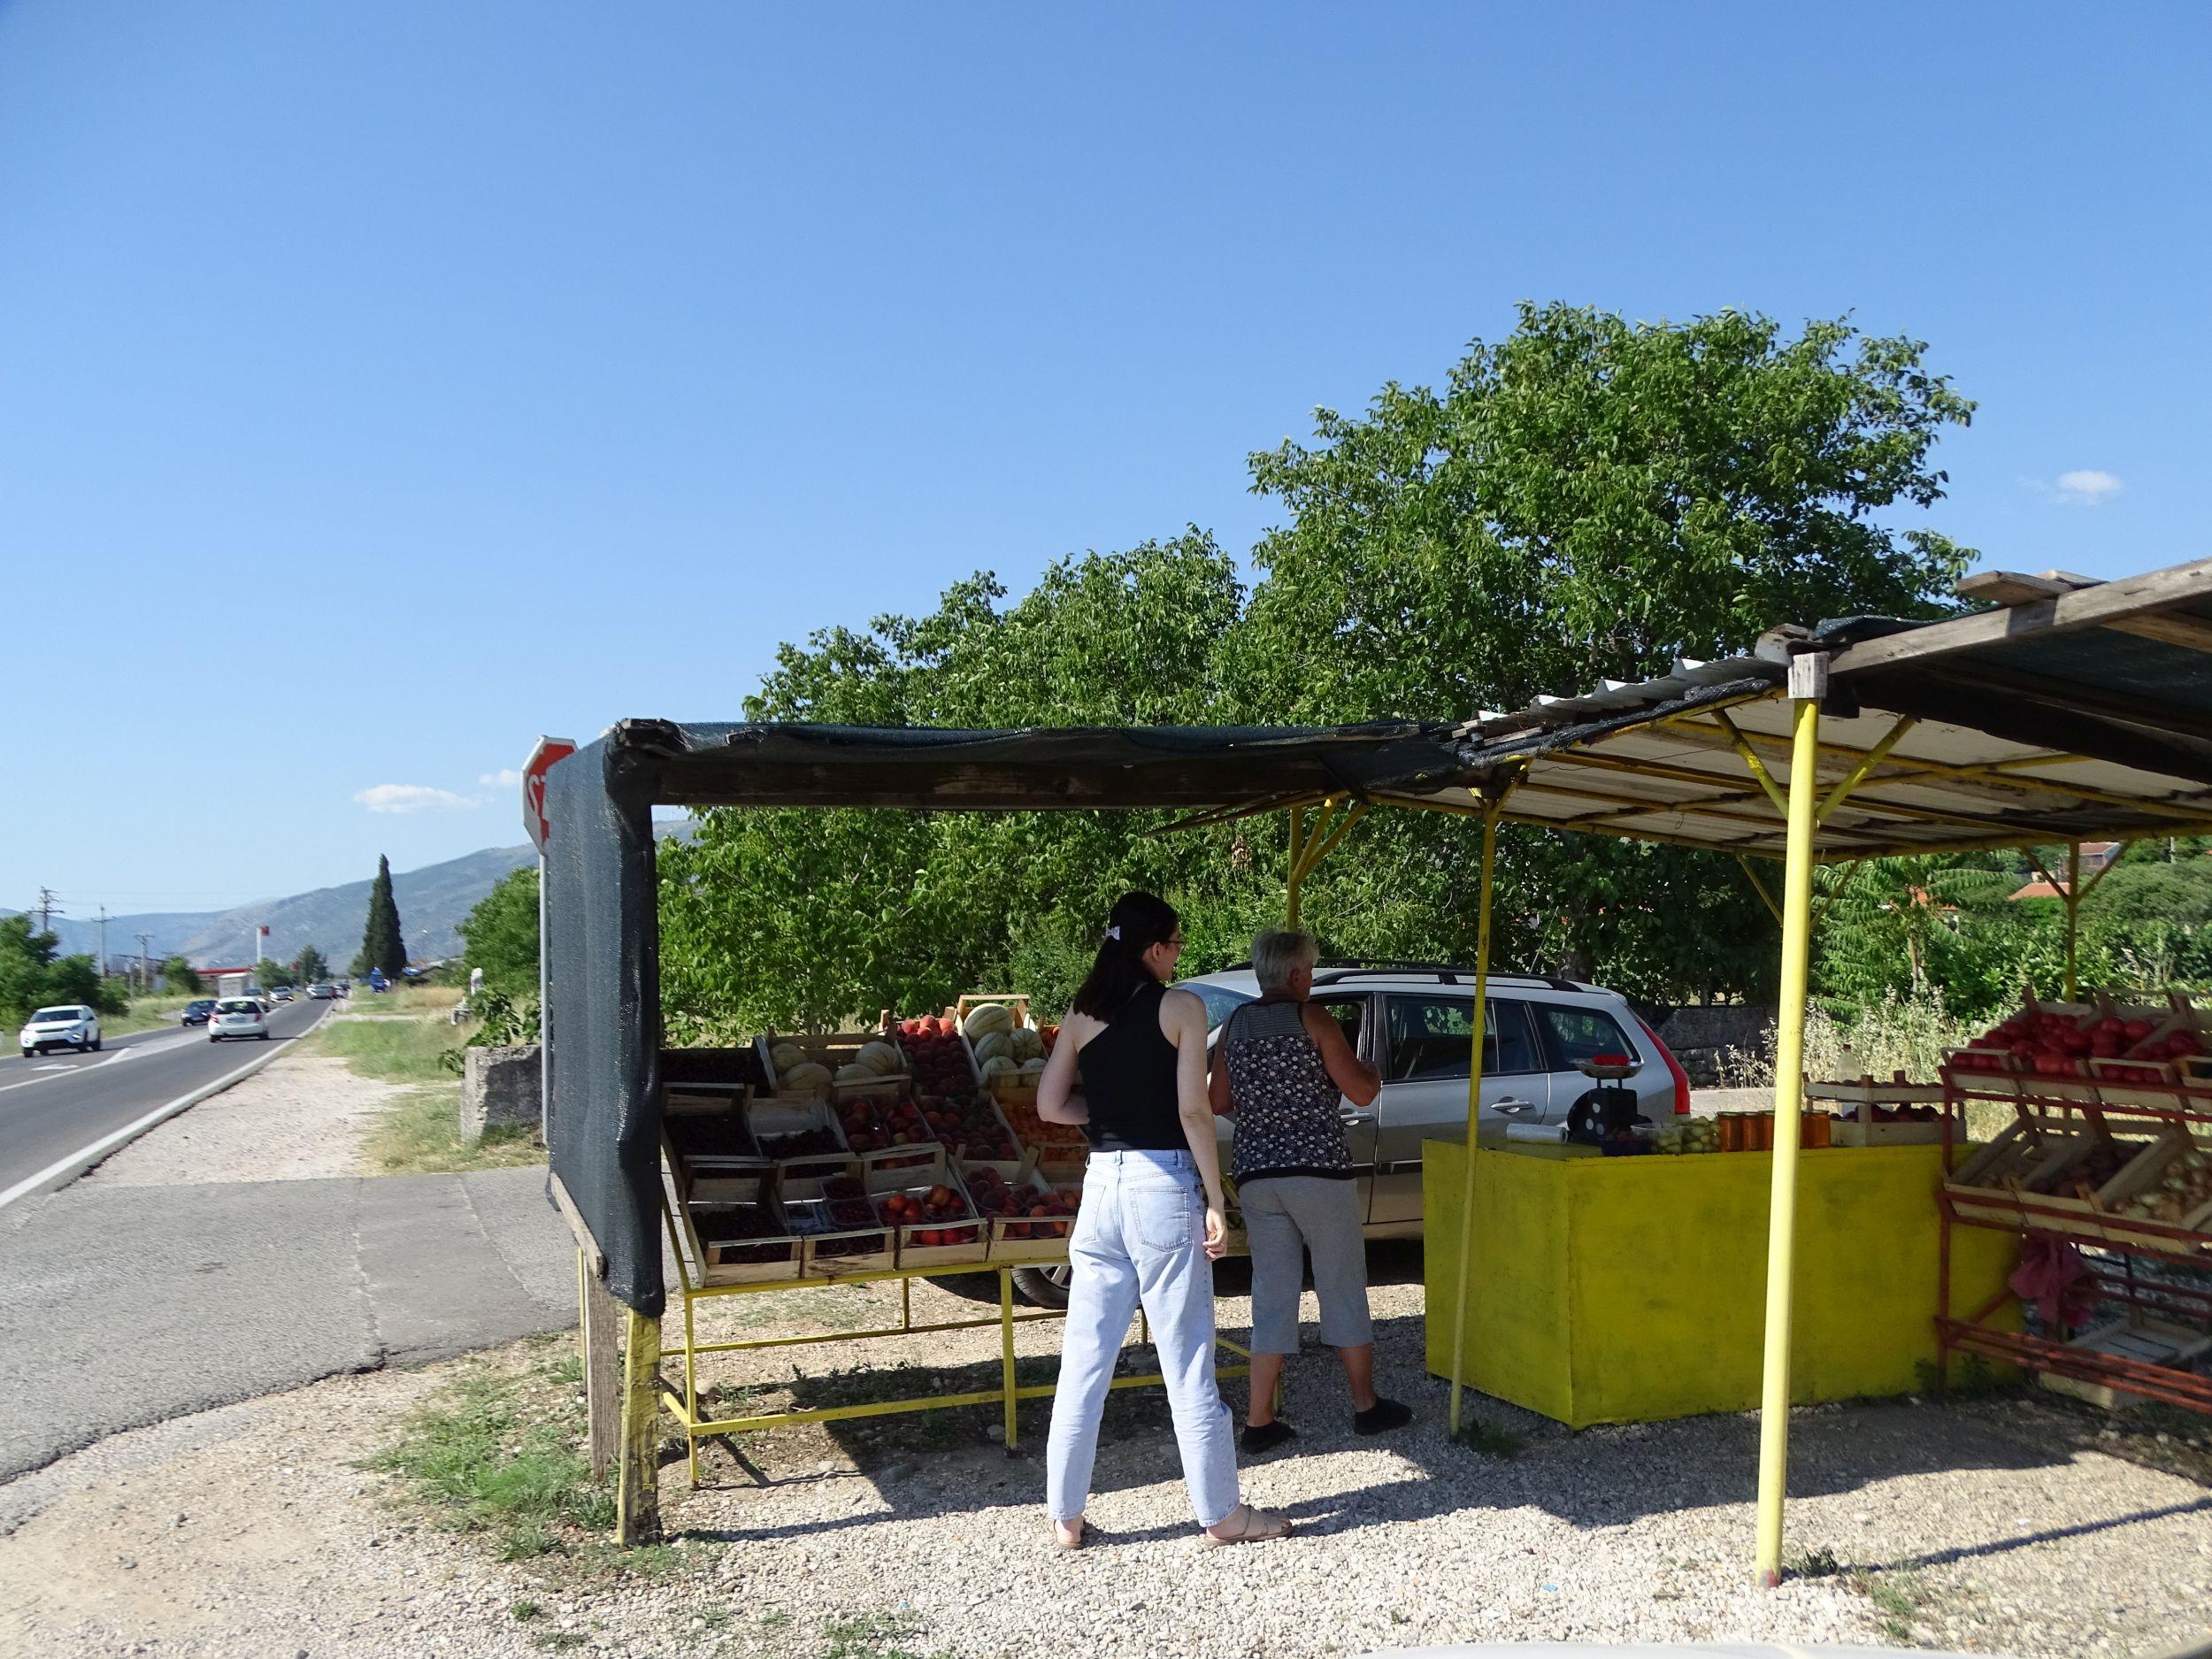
[122,1306]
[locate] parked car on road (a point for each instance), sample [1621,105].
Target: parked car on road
[282,993]
[321,992]
[196,1010]
[69,1025]
[238,1017]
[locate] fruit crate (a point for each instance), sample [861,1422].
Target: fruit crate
[2070,1190]
[1869,1120]
[744,1243]
[747,1064]
[1024,1236]
[2028,1151]
[2170,1186]
[830,1051]
[955,1236]
[799,1137]
[1017,1004]
[839,1230]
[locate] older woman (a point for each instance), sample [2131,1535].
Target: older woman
[1280,1065]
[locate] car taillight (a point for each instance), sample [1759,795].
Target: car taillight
[1674,1069]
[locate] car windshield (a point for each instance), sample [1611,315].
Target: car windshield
[1220,1000]
[51,1016]
[200,1007]
[238,1005]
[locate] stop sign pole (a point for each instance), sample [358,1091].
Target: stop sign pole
[550,751]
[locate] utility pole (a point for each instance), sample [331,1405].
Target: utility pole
[145,966]
[103,941]
[48,904]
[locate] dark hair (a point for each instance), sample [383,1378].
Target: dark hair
[1137,922]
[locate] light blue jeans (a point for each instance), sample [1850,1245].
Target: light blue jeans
[1140,1237]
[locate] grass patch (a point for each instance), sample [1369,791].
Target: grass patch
[873,1636]
[1492,1439]
[147,1013]
[420,1133]
[525,1608]
[390,1050]
[406,999]
[1815,1563]
[494,1454]
[1897,1596]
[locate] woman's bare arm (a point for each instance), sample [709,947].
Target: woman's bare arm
[1358,1081]
[1183,1022]
[1058,1081]
[1217,1078]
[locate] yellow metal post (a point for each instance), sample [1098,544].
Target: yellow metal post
[637,1497]
[1006,1347]
[691,1384]
[1474,1106]
[1807,678]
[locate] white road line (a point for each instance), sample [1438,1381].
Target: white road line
[63,1170]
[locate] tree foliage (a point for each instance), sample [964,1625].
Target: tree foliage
[1587,497]
[382,944]
[501,935]
[34,974]
[180,975]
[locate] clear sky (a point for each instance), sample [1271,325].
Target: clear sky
[383,385]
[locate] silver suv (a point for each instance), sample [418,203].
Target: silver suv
[1414,1022]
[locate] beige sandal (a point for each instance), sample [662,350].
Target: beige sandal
[1082,1537]
[1256,1526]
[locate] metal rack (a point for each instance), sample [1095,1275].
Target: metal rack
[2127,1243]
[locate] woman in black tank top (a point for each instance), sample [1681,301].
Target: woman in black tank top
[1151,1223]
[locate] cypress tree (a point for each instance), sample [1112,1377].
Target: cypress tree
[381,945]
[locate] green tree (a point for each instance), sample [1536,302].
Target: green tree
[313,966]
[180,975]
[33,974]
[501,935]
[382,945]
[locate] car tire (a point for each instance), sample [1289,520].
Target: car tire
[212,1037]
[30,1054]
[1043,1287]
[264,1033]
[97,1042]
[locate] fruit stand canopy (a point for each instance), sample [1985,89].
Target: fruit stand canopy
[2074,710]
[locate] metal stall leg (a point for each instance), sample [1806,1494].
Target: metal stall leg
[1006,1347]
[1808,682]
[1474,1109]
[691,1390]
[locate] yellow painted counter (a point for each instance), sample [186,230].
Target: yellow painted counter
[1620,1290]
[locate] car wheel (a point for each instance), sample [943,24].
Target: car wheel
[212,1037]
[30,1054]
[1043,1287]
[264,1033]
[96,1044]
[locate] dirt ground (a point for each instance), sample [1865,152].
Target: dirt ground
[2007,1525]
[301,1119]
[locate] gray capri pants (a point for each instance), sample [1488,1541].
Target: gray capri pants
[1285,1216]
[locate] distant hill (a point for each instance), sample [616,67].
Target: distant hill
[433,903]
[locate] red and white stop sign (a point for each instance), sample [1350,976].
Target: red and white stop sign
[534,770]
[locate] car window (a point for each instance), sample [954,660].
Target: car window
[1576,1033]
[1349,1012]
[47,1015]
[238,1005]
[1429,1037]
[1220,1000]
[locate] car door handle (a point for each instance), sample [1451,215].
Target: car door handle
[1351,1118]
[1511,1107]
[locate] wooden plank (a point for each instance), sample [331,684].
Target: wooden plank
[2010,588]
[637,1484]
[2096,607]
[603,1373]
[594,1256]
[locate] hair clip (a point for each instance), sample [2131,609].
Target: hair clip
[1113,933]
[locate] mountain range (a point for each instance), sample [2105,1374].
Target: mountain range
[433,902]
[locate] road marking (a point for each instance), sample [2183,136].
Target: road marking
[63,1169]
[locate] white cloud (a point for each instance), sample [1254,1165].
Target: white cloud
[411,797]
[2087,486]
[505,778]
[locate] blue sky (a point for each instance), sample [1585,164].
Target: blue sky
[539,365]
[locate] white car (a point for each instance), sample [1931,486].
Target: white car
[71,1025]
[238,1017]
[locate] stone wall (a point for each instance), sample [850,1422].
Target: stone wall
[499,1086]
[1701,1037]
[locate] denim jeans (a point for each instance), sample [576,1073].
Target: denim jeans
[1140,1237]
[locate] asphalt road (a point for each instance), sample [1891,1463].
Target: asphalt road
[53,1105]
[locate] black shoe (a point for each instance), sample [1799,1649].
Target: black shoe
[1381,1417]
[1266,1438]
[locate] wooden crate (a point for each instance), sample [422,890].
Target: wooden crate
[831,1245]
[1026,1238]
[1988,1185]
[776,1121]
[1864,1096]
[915,1181]
[2143,1175]
[745,1261]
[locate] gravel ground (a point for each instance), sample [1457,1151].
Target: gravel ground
[301,1118]
[1999,1526]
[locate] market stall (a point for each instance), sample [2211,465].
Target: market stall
[2072,711]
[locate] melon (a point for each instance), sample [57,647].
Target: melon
[985,1017]
[992,1045]
[1031,1068]
[856,1073]
[999,1065]
[1028,1044]
[784,1056]
[808,1074]
[880,1058]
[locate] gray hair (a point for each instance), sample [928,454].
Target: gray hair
[1281,952]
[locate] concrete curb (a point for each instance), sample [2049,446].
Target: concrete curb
[63,1170]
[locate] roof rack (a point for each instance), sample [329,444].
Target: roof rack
[1445,973]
